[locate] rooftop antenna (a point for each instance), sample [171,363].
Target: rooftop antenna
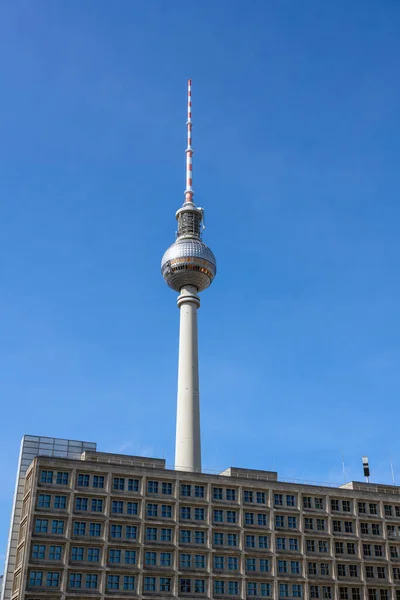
[189,150]
[343,468]
[391,468]
[366,468]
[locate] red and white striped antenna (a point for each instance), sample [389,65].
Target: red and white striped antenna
[189,150]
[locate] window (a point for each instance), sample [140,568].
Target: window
[199,514]
[231,495]
[384,594]
[250,564]
[351,548]
[60,502]
[310,545]
[323,546]
[280,543]
[283,590]
[166,488]
[41,525]
[282,566]
[129,582]
[186,536]
[151,534]
[394,553]
[376,530]
[44,501]
[381,572]
[396,573]
[337,526]
[95,529]
[263,541]
[149,584]
[308,523]
[295,567]
[186,512]
[290,500]
[250,541]
[38,551]
[279,521]
[231,516]
[348,526]
[91,581]
[114,556]
[373,509]
[62,478]
[319,504]
[314,591]
[297,590]
[199,491]
[130,557]
[232,539]
[98,482]
[116,531]
[218,516]
[278,499]
[83,480]
[199,537]
[353,570]
[166,535]
[97,505]
[292,522]
[46,477]
[341,570]
[249,518]
[166,511]
[312,568]
[307,502]
[199,561]
[199,586]
[113,582]
[324,568]
[77,553]
[233,588]
[265,589]
[346,506]
[35,578]
[55,552]
[264,565]
[152,510]
[131,508]
[57,527]
[251,589]
[294,544]
[75,580]
[152,487]
[117,507]
[165,559]
[219,587]
[261,498]
[217,493]
[218,539]
[151,559]
[343,593]
[369,572]
[219,563]
[248,496]
[334,504]
[52,579]
[165,584]
[118,483]
[364,528]
[186,489]
[378,550]
[321,524]
[232,563]
[81,503]
[362,508]
[79,528]
[131,532]
[93,554]
[185,585]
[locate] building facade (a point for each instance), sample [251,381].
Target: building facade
[119,526]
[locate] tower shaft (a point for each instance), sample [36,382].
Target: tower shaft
[188,447]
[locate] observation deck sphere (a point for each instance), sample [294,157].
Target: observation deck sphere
[188,262]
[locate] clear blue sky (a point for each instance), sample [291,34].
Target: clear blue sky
[297,142]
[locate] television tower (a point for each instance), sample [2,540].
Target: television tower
[188,267]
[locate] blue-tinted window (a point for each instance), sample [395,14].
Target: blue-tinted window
[36,578]
[77,553]
[167,488]
[79,528]
[97,505]
[133,485]
[117,506]
[93,554]
[75,580]
[91,582]
[132,508]
[113,582]
[95,529]
[38,551]
[98,482]
[60,501]
[62,478]
[114,556]
[152,487]
[41,525]
[55,552]
[129,582]
[46,476]
[149,584]
[130,557]
[57,527]
[131,531]
[81,503]
[83,480]
[44,501]
[52,579]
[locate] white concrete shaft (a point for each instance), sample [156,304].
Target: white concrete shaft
[188,449]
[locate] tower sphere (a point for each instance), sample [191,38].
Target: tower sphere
[188,262]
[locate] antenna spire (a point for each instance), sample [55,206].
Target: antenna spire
[189,150]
